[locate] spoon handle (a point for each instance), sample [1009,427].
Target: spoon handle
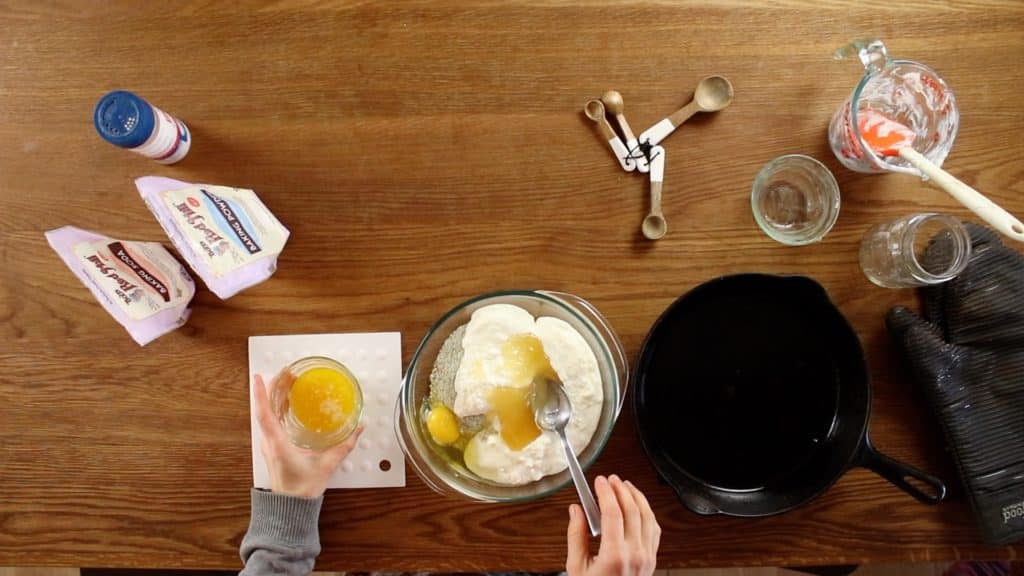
[655,134]
[622,154]
[632,144]
[684,113]
[582,488]
[657,176]
[638,155]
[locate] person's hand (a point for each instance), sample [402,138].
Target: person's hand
[629,533]
[294,471]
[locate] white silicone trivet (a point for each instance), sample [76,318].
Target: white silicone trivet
[376,361]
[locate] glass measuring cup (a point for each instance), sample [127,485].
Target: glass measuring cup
[905,91]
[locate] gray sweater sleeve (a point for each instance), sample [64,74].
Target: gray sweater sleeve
[283,536]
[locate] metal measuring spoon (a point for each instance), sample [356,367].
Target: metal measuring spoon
[654,225]
[713,93]
[613,102]
[552,411]
[595,111]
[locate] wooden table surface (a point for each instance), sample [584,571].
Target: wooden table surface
[423,153]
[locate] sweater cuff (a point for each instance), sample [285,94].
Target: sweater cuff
[289,520]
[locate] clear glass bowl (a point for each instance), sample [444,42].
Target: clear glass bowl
[795,200]
[452,479]
[297,433]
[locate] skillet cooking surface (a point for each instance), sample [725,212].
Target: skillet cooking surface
[742,389]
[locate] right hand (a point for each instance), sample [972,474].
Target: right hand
[294,471]
[629,533]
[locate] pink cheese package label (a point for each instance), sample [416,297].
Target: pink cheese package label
[140,284]
[227,235]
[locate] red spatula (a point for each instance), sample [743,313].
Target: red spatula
[887,137]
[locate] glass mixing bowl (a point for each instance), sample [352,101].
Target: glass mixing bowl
[454,479]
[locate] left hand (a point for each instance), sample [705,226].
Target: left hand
[295,471]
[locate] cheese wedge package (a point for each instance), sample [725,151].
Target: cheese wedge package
[140,284]
[227,235]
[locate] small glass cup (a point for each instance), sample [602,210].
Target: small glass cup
[299,434]
[795,199]
[916,250]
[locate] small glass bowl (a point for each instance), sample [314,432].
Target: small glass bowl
[297,433]
[453,479]
[795,200]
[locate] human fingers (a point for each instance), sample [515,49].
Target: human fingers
[652,530]
[335,454]
[631,520]
[612,539]
[282,382]
[577,542]
[268,422]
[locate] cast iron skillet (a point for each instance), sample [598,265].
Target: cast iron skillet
[752,397]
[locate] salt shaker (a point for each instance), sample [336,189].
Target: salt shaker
[127,121]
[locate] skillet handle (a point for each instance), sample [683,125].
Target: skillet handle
[697,503]
[898,472]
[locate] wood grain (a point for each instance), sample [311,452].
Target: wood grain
[422,153]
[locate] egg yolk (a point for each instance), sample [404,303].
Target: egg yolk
[443,425]
[322,399]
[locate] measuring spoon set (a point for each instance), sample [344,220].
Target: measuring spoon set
[643,154]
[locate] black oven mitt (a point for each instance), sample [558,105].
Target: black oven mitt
[967,353]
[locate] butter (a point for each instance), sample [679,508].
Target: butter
[227,235]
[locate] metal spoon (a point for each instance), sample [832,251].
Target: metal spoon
[552,411]
[713,93]
[595,111]
[613,102]
[654,225]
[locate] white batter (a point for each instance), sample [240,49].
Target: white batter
[483,368]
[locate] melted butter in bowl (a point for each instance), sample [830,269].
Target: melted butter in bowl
[573,334]
[504,350]
[512,409]
[525,359]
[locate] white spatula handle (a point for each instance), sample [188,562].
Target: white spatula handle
[973,200]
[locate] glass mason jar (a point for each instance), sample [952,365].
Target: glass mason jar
[916,250]
[330,405]
[795,199]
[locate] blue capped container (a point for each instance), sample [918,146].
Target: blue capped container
[127,121]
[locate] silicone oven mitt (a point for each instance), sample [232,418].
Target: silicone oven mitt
[967,353]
